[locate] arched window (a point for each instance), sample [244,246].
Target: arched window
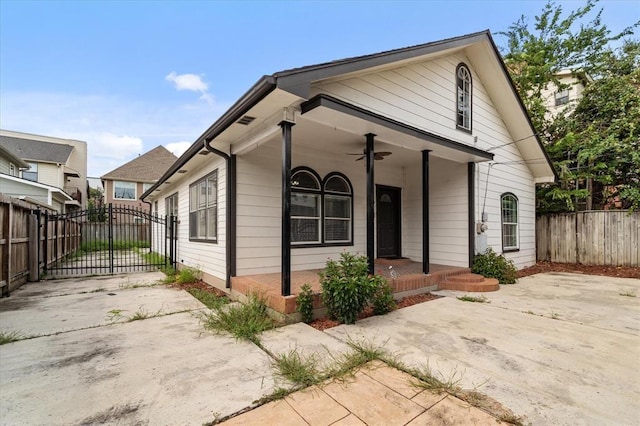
[509,213]
[463,97]
[306,197]
[338,202]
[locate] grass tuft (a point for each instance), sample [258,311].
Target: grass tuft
[11,336]
[477,299]
[243,321]
[188,275]
[628,294]
[297,369]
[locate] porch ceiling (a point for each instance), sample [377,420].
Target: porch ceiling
[333,116]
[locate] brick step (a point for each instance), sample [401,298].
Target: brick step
[466,278]
[486,285]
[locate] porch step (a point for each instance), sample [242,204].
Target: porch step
[470,283]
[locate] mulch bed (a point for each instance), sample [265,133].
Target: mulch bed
[325,323]
[201,285]
[576,268]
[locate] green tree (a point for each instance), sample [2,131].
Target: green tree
[597,142]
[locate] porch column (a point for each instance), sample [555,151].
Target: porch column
[425,211]
[286,207]
[471,189]
[371,199]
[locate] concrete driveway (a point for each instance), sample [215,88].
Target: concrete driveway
[556,348]
[92,366]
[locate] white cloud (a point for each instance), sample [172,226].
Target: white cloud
[190,82]
[116,129]
[178,148]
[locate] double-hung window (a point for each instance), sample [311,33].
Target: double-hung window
[509,210]
[31,173]
[203,209]
[306,196]
[337,209]
[463,97]
[562,97]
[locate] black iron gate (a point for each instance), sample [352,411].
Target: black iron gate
[106,240]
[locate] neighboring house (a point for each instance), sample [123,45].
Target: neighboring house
[10,163]
[559,100]
[124,185]
[36,193]
[51,162]
[288,176]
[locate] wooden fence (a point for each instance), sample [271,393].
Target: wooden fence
[605,237]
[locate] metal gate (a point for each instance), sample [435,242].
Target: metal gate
[106,240]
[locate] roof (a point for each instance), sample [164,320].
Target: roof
[298,81]
[35,150]
[147,167]
[12,157]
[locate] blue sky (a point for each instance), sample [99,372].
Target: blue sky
[127,76]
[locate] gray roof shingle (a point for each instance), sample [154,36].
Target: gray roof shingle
[147,167]
[32,150]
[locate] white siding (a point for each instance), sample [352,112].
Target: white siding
[50,174]
[423,95]
[208,257]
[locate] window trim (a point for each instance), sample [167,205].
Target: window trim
[517,223]
[462,65]
[196,183]
[321,207]
[12,169]
[135,191]
[167,215]
[322,192]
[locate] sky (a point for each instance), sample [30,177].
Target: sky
[127,76]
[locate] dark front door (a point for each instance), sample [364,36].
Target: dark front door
[388,219]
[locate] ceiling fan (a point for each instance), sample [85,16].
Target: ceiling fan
[376,155]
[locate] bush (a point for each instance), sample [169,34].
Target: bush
[383,301]
[347,287]
[304,303]
[493,265]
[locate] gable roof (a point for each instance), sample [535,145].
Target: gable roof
[12,157]
[35,150]
[298,81]
[147,167]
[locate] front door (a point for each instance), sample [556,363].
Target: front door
[388,219]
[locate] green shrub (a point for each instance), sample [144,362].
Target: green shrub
[188,275]
[383,301]
[493,265]
[347,287]
[304,303]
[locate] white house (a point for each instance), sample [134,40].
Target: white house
[424,153]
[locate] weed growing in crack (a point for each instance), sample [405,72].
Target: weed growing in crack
[477,299]
[114,315]
[300,370]
[243,321]
[628,294]
[210,300]
[11,336]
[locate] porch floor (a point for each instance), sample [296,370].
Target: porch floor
[404,276]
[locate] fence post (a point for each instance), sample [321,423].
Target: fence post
[110,238]
[34,235]
[6,259]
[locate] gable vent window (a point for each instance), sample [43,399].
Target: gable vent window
[246,120]
[463,98]
[562,97]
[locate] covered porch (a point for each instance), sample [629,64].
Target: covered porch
[405,277]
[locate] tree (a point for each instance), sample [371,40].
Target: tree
[581,148]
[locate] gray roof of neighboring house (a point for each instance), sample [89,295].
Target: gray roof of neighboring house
[32,150]
[147,167]
[11,156]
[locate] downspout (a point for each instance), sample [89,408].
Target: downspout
[230,237]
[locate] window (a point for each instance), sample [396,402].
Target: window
[562,97]
[463,97]
[509,208]
[32,173]
[146,186]
[337,209]
[203,209]
[305,206]
[124,190]
[12,169]
[321,211]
